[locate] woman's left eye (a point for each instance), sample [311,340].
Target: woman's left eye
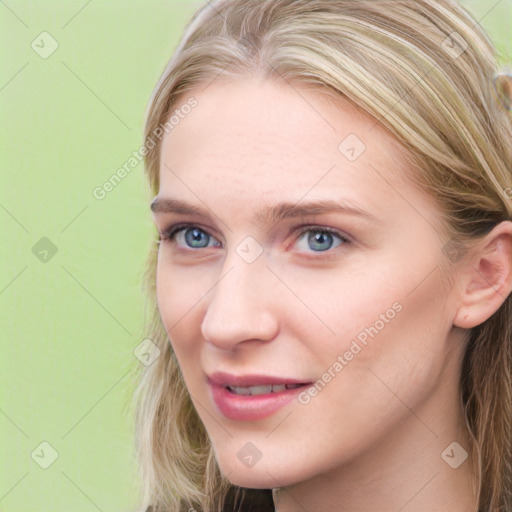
[320,239]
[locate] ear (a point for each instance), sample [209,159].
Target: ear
[486,278]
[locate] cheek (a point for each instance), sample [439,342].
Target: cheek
[179,293]
[389,330]
[332,308]
[395,346]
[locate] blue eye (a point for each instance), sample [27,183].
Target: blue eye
[191,237]
[196,238]
[321,239]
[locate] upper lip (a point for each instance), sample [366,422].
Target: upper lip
[227,379]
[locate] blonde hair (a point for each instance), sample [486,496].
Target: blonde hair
[422,68]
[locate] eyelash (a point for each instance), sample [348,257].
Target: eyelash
[169,234]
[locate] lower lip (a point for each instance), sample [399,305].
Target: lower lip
[251,407]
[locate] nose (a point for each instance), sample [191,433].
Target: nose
[242,306]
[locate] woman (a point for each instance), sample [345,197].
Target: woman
[331,284]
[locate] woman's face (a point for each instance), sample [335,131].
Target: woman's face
[302,257]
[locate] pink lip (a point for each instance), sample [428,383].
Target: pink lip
[250,408]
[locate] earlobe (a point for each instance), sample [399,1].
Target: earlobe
[487,279]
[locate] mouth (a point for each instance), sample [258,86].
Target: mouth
[252,397]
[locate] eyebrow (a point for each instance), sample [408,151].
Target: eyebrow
[273,214]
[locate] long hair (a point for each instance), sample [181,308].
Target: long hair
[423,69]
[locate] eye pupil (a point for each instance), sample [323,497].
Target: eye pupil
[196,238]
[320,240]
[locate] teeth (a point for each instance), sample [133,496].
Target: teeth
[240,391]
[261,390]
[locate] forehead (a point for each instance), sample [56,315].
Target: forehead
[255,140]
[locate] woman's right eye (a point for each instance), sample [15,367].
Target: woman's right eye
[189,237]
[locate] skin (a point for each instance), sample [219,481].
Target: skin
[372,438]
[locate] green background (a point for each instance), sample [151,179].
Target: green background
[71,319]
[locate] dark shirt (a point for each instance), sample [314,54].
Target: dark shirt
[254,500]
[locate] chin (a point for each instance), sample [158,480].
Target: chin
[262,475]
